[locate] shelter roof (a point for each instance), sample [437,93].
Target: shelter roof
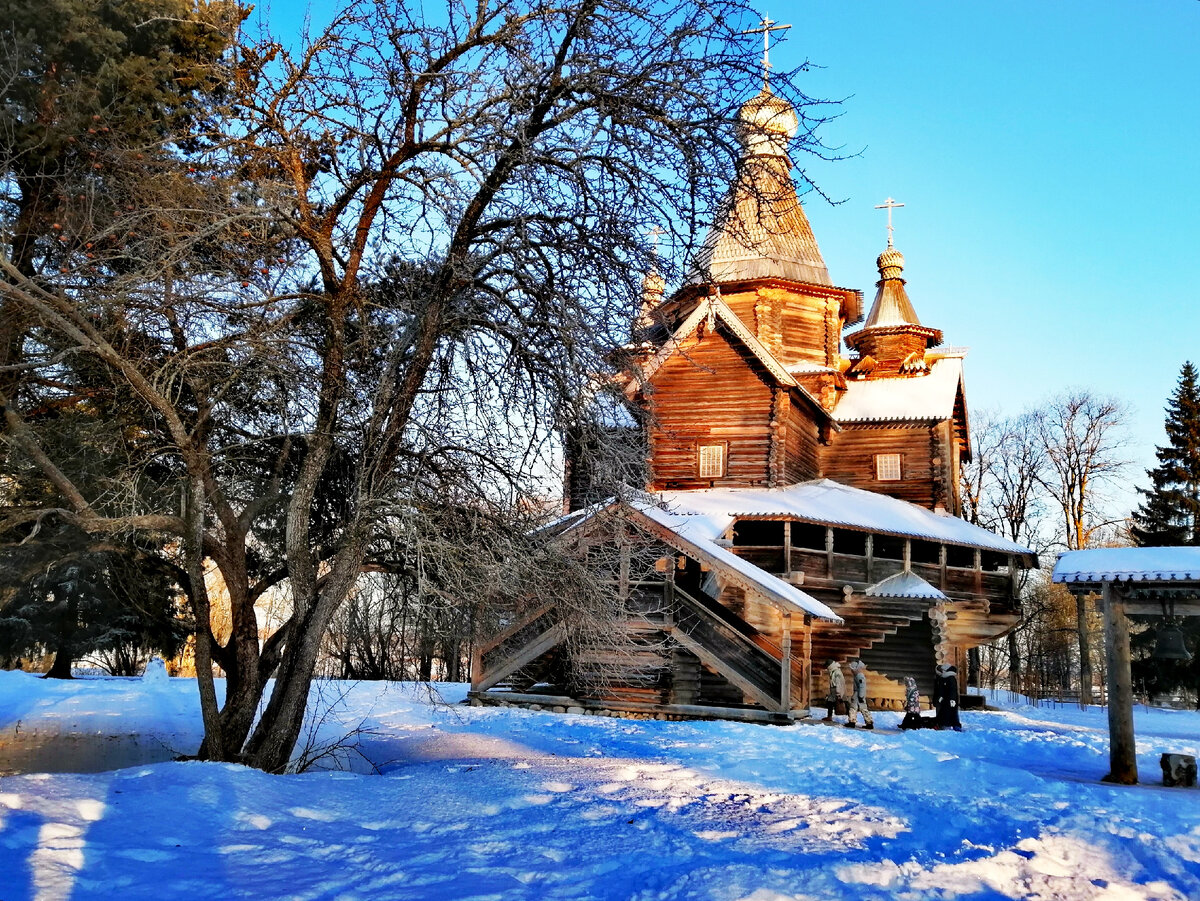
[712,511]
[928,396]
[1129,564]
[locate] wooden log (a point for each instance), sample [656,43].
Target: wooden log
[1122,751]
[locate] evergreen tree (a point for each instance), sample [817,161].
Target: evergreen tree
[1168,517]
[1170,514]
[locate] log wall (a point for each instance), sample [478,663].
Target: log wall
[849,458]
[711,392]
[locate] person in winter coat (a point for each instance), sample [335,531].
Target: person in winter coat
[858,697]
[945,697]
[912,705]
[837,687]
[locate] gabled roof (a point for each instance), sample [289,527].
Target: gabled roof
[922,397]
[688,535]
[713,306]
[711,512]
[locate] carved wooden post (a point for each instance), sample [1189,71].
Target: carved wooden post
[785,679]
[787,548]
[1122,751]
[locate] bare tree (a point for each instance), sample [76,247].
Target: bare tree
[1083,438]
[1002,491]
[420,241]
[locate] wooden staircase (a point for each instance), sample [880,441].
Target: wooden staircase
[885,633]
[516,647]
[727,645]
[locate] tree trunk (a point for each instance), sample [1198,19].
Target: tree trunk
[1014,663]
[62,665]
[1085,651]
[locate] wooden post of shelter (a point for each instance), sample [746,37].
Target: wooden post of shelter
[1122,750]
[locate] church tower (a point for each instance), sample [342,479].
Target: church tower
[892,341]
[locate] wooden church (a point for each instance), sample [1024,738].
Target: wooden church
[802,504]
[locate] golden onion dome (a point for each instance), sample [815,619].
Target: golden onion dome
[890,263]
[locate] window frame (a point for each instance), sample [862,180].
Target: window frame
[723,448]
[883,467]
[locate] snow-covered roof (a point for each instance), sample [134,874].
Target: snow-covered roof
[929,396]
[905,585]
[696,533]
[711,511]
[1129,564]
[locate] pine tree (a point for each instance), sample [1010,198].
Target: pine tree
[1170,514]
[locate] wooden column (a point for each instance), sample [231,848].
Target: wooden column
[787,548]
[1122,750]
[785,679]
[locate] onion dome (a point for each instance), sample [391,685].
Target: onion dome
[767,124]
[890,263]
[761,230]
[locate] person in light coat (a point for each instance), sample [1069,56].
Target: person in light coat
[858,697]
[945,697]
[837,687]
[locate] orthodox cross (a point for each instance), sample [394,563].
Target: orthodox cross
[654,234]
[889,205]
[765,27]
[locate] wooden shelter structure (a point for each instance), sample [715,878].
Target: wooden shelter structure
[803,504]
[1142,581]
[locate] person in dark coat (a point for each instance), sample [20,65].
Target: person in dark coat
[912,705]
[945,697]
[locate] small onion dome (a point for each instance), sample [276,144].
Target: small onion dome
[890,263]
[768,123]
[653,285]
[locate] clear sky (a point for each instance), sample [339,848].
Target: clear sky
[1048,156]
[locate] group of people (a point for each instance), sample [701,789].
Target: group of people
[945,698]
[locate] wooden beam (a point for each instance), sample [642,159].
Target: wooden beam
[1122,750]
[514,628]
[526,655]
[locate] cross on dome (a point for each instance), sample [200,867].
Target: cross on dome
[889,205]
[654,234]
[765,27]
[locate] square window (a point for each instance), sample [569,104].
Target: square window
[712,461]
[887,467]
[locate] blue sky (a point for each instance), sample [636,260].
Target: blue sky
[1048,156]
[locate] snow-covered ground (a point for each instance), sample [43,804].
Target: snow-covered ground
[475,803]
